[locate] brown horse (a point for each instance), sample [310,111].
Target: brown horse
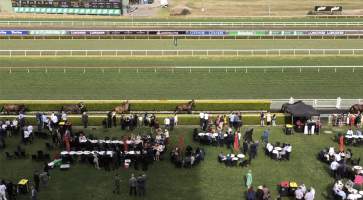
[185,107]
[123,108]
[74,108]
[356,108]
[13,108]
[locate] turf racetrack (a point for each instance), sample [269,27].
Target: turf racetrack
[165,44]
[113,83]
[209,180]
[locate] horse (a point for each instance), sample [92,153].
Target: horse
[74,108]
[123,108]
[356,108]
[13,108]
[185,107]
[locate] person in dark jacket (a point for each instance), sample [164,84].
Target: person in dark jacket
[36,179]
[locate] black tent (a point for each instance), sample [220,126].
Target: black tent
[299,109]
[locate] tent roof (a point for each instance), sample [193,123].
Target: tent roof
[299,109]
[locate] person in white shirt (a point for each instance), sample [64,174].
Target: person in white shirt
[26,136]
[167,135]
[30,129]
[338,189]
[167,123]
[310,195]
[349,132]
[175,120]
[299,195]
[54,118]
[268,119]
[3,191]
[201,119]
[334,167]
[64,116]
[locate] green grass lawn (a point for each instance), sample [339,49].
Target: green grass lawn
[6,62]
[209,180]
[165,44]
[182,84]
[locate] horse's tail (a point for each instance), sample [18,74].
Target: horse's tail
[2,108]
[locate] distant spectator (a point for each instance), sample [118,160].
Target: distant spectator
[85,119]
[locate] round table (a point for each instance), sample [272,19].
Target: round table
[241,156]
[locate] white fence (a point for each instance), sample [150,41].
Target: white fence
[178,24]
[320,103]
[184,52]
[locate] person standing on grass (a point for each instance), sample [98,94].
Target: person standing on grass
[36,179]
[132,185]
[268,119]
[262,119]
[85,119]
[141,180]
[34,193]
[117,183]
[3,191]
[249,179]
[273,119]
[95,161]
[175,120]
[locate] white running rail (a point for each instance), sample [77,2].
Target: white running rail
[183,52]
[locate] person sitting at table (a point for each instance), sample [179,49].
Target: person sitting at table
[221,157]
[288,149]
[338,189]
[259,193]
[349,132]
[310,195]
[334,168]
[269,149]
[299,193]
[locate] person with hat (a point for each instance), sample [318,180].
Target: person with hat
[259,193]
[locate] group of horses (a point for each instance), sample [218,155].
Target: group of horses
[81,107]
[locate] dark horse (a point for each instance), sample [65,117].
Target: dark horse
[356,108]
[185,107]
[123,108]
[13,108]
[74,108]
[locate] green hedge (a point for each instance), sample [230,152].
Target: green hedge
[146,105]
[182,119]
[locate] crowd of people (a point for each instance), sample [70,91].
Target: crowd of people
[132,121]
[347,190]
[278,151]
[344,167]
[186,158]
[349,119]
[112,153]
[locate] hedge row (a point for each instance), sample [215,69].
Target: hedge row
[182,119]
[145,105]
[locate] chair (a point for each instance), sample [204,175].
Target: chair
[9,156]
[34,157]
[40,155]
[47,157]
